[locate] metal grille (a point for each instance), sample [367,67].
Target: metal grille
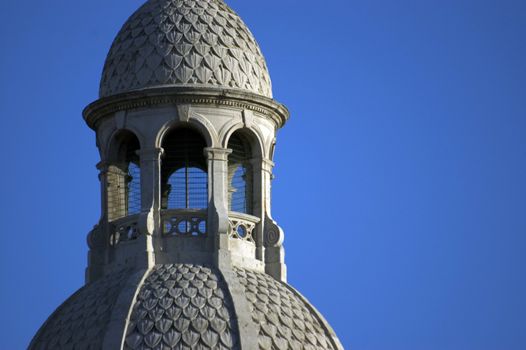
[133,191]
[239,175]
[124,178]
[184,179]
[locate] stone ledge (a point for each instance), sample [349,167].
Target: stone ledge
[103,107]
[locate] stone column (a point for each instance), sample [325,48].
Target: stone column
[218,223]
[273,235]
[259,204]
[149,218]
[98,238]
[102,167]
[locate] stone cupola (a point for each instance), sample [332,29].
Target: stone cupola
[186,254]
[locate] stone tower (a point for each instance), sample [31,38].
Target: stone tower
[186,254]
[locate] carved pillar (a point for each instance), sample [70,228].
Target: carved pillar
[218,223]
[149,218]
[258,204]
[102,167]
[273,235]
[266,182]
[150,187]
[98,238]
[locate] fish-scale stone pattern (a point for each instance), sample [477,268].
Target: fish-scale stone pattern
[81,322]
[283,319]
[181,43]
[182,306]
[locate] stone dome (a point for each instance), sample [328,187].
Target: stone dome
[185,306]
[163,276]
[174,43]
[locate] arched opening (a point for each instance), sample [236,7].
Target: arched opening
[240,174]
[184,178]
[124,176]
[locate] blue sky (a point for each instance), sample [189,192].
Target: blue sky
[400,178]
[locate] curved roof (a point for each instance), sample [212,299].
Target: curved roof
[84,317]
[183,306]
[185,43]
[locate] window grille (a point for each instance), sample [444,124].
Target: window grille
[184,179]
[133,190]
[124,177]
[240,175]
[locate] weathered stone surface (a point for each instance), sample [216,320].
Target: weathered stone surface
[180,43]
[186,306]
[81,322]
[183,306]
[196,278]
[284,321]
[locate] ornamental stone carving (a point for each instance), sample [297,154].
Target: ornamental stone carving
[181,43]
[185,306]
[83,319]
[284,320]
[182,307]
[191,273]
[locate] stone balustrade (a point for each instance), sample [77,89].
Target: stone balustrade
[184,222]
[124,229]
[242,226]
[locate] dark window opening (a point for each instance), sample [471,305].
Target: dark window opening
[240,174]
[124,177]
[184,178]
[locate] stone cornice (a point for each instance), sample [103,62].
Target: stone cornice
[217,153]
[103,107]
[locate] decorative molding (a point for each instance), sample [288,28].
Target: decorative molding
[183,112]
[228,129]
[96,238]
[102,108]
[207,125]
[120,119]
[273,235]
[217,153]
[248,118]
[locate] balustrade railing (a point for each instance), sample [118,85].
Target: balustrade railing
[184,222]
[125,229]
[242,226]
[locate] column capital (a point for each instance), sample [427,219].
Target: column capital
[102,166]
[150,154]
[213,153]
[267,165]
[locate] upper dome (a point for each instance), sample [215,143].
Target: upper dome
[185,43]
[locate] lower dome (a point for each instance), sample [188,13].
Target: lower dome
[183,306]
[186,306]
[283,319]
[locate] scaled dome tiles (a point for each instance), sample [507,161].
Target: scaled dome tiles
[185,43]
[184,306]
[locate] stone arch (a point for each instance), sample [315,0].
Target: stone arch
[184,169]
[242,177]
[195,122]
[115,139]
[254,136]
[123,185]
